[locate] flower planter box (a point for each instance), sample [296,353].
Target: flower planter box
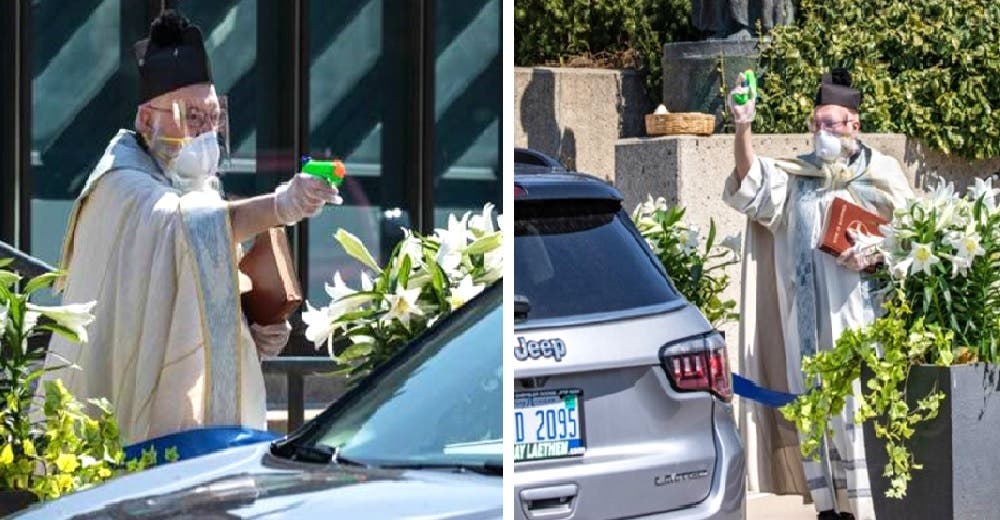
[959,479]
[13,501]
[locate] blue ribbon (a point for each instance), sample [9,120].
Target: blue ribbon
[749,390]
[201,441]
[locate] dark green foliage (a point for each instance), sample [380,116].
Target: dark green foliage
[929,69]
[613,33]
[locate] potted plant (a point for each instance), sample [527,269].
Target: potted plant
[931,388]
[58,448]
[696,268]
[424,278]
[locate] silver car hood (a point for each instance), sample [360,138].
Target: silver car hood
[249,482]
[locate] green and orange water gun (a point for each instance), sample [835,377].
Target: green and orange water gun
[749,83]
[332,171]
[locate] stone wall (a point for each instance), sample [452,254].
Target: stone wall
[691,171]
[577,115]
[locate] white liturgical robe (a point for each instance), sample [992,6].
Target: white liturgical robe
[169,347]
[796,301]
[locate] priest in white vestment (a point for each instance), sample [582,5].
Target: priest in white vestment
[798,299]
[153,242]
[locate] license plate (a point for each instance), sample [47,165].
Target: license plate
[548,424]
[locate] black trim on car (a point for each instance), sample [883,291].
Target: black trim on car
[604,317]
[561,186]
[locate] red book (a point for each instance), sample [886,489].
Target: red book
[843,216]
[270,265]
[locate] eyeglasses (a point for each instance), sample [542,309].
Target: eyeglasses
[194,119]
[828,123]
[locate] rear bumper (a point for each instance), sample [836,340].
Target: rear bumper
[726,499]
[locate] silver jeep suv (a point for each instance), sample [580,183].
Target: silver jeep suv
[622,389]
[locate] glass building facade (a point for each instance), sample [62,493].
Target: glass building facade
[406,92]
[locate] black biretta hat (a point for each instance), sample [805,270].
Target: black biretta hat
[172,57]
[835,89]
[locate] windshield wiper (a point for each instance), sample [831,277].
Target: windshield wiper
[483,468]
[318,453]
[303,452]
[522,306]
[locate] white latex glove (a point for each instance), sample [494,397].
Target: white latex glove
[862,255]
[741,113]
[270,339]
[303,196]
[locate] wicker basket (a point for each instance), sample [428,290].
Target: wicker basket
[680,123]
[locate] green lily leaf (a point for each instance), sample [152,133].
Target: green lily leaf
[353,246]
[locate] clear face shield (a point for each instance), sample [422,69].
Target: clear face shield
[192,120]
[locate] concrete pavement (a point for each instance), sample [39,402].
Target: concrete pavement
[765,506]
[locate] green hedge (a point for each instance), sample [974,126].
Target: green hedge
[926,68]
[617,33]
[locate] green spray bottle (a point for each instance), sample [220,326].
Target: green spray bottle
[332,171]
[750,83]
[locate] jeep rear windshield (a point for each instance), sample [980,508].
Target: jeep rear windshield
[580,257]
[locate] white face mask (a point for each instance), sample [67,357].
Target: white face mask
[826,146]
[195,165]
[829,147]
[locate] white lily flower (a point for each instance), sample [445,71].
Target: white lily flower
[644,208]
[899,269]
[74,317]
[448,259]
[647,224]
[946,217]
[465,291]
[943,193]
[959,265]
[493,264]
[412,248]
[339,289]
[366,282]
[985,189]
[30,320]
[3,319]
[866,242]
[690,239]
[456,235]
[889,242]
[733,242]
[923,258]
[967,245]
[483,222]
[453,241]
[320,326]
[651,205]
[402,305]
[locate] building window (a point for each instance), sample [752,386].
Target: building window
[408,94]
[468,106]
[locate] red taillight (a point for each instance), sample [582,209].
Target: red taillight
[519,191]
[699,365]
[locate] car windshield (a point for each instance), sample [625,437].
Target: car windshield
[439,405]
[580,257]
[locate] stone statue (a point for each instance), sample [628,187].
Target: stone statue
[737,19]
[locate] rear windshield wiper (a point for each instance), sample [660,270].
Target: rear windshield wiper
[483,468]
[522,306]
